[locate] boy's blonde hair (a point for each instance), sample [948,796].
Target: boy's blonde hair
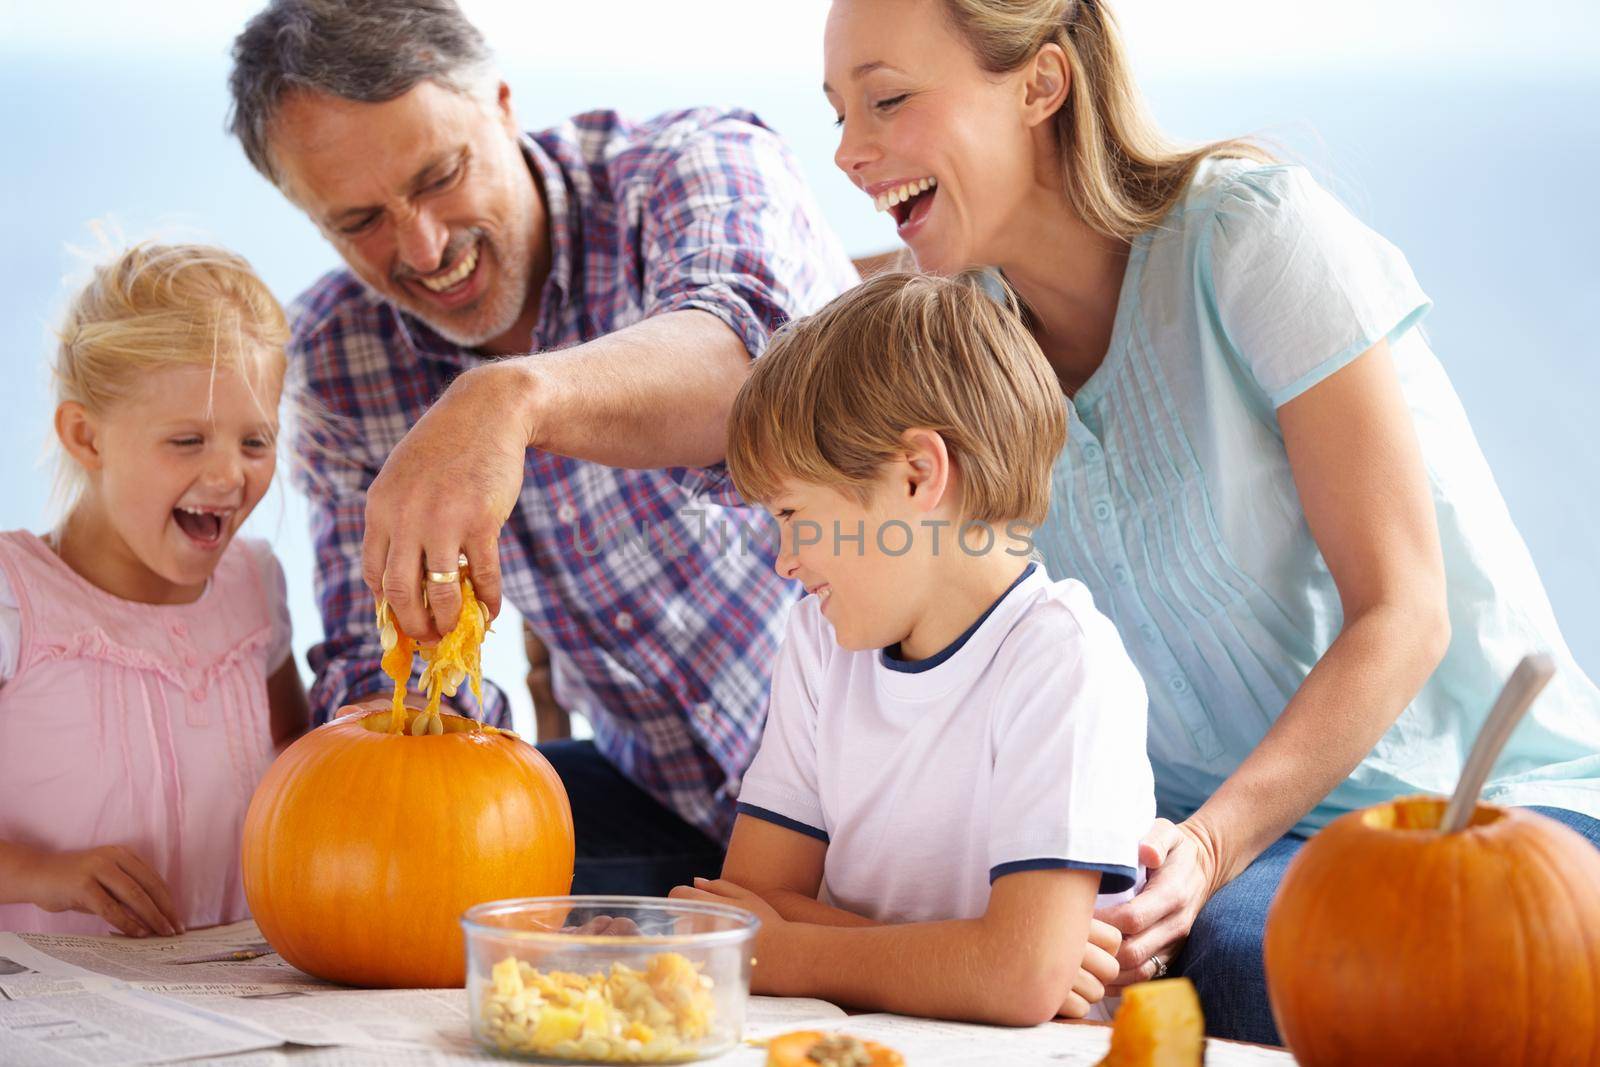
[828,402]
[1121,172]
[155,306]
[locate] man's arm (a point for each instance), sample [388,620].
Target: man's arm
[732,245]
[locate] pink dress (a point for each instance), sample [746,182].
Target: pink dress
[142,725]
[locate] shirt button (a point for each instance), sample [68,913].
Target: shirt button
[732,787]
[1120,573]
[567,513]
[1091,453]
[704,711]
[198,693]
[1179,685]
[1148,631]
[179,629]
[1102,510]
[191,660]
[624,621]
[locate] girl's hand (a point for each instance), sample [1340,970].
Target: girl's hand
[109,881]
[1100,968]
[1155,923]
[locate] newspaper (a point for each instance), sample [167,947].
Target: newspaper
[221,996]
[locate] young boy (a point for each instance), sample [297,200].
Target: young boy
[954,757]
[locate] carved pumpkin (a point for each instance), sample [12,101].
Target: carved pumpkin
[1390,942]
[363,846]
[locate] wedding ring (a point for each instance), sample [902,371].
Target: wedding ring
[449,577]
[1161,967]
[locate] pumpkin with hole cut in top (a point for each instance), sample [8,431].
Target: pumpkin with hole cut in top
[1391,942]
[363,845]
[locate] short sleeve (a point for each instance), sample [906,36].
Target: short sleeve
[1072,785]
[276,589]
[1300,286]
[781,784]
[732,229]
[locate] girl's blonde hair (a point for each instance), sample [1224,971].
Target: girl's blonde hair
[155,306]
[831,397]
[1121,172]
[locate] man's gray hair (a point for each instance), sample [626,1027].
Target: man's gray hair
[369,51]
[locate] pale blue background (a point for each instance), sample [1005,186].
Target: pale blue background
[1478,161]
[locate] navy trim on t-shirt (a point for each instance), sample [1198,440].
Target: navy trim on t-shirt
[1113,878]
[781,820]
[890,657]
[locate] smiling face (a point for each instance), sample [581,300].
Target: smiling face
[429,200]
[174,470]
[948,148]
[869,589]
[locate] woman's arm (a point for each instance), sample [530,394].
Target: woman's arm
[1355,458]
[1014,966]
[290,712]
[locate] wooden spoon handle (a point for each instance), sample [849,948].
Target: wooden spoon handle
[1525,683]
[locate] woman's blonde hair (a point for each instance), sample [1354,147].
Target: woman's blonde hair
[154,306]
[828,402]
[1121,172]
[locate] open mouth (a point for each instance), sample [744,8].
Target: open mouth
[203,526]
[457,277]
[908,202]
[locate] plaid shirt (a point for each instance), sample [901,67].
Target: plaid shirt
[662,613]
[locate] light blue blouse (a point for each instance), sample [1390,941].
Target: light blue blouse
[1174,502]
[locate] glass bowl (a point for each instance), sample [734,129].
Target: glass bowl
[608,979]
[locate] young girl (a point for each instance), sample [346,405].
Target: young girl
[145,670]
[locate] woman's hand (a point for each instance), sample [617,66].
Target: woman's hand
[109,881]
[445,491]
[1183,871]
[1099,969]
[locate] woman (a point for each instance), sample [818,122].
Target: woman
[1270,484]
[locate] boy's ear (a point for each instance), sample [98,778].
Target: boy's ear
[79,433]
[928,463]
[1049,79]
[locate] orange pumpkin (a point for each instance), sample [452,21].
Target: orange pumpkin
[362,847]
[1390,942]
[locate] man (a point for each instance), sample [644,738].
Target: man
[587,300]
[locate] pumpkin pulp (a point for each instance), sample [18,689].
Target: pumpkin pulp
[457,657]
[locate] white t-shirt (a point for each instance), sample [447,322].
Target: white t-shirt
[1019,747]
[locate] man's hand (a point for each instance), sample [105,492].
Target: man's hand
[445,491]
[110,881]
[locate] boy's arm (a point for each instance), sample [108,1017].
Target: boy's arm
[1013,966]
[784,868]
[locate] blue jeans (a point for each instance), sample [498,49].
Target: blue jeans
[1223,954]
[628,843]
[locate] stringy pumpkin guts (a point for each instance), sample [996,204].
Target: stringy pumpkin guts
[445,665]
